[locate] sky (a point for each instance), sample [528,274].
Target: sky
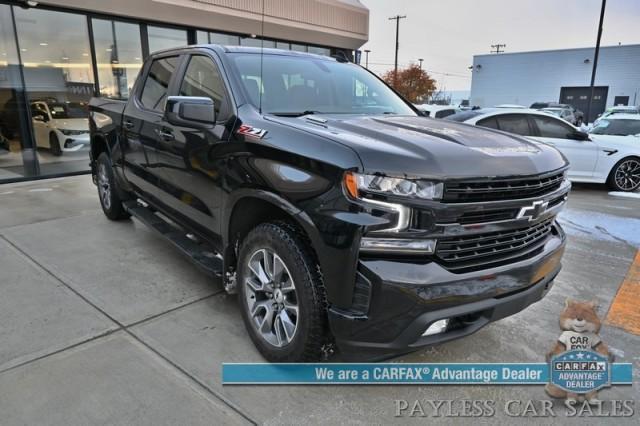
[447,33]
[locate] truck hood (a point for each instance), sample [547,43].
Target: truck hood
[431,148]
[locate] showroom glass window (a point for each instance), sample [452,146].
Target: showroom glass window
[224,39]
[11,142]
[165,38]
[118,56]
[257,42]
[156,86]
[55,52]
[320,50]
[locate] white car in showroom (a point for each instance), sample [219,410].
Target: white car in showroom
[599,157]
[60,126]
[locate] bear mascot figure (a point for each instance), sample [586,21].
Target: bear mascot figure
[580,324]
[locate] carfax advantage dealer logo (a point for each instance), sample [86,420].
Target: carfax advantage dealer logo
[580,372]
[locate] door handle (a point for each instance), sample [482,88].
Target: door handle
[128,124]
[166,135]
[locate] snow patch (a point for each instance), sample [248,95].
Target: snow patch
[625,194]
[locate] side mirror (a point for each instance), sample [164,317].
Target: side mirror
[579,136]
[190,111]
[38,118]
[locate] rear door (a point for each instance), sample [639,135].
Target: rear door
[512,123]
[191,160]
[582,154]
[142,121]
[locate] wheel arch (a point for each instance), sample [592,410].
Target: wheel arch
[263,207]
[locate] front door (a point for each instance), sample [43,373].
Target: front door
[582,154]
[190,159]
[41,124]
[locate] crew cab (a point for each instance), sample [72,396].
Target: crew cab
[341,217]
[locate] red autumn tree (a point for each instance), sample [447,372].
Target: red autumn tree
[412,83]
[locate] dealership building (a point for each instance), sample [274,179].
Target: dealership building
[55,55]
[558,75]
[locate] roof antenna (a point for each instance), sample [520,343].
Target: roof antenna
[260,88]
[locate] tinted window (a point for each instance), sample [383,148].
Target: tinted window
[445,113]
[550,127]
[154,92]
[514,123]
[488,122]
[465,115]
[617,127]
[203,79]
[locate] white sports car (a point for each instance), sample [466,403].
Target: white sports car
[610,154]
[60,126]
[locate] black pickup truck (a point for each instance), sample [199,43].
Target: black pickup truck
[340,216]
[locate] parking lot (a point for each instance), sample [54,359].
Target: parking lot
[104,322]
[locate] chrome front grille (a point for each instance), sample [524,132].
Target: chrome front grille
[480,251]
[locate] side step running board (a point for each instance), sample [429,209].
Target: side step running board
[200,254]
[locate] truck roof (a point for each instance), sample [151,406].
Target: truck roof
[246,49]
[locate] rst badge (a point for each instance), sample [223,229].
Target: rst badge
[251,131]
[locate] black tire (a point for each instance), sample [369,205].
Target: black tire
[54,145]
[311,332]
[108,191]
[625,175]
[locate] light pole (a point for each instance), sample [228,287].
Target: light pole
[397,18]
[420,60]
[595,60]
[366,58]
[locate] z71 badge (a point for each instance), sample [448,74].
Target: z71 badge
[251,131]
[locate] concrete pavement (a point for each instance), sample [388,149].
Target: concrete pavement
[106,323]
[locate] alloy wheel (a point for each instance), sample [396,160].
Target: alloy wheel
[104,186]
[271,298]
[627,175]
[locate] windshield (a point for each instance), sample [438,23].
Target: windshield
[297,85]
[465,115]
[617,127]
[554,111]
[68,110]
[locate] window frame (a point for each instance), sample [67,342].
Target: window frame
[538,133]
[514,114]
[140,85]
[228,108]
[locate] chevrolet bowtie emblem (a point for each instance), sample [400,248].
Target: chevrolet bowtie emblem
[533,211]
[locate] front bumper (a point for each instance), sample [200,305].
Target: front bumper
[404,298]
[73,143]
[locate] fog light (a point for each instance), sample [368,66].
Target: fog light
[437,327]
[397,245]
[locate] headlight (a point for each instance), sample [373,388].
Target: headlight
[356,183]
[67,132]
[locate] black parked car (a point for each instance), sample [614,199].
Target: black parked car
[338,214]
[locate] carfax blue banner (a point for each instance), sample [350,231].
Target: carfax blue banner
[394,373]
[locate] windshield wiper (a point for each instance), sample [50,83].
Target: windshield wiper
[295,114]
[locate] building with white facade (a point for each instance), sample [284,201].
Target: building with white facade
[558,75]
